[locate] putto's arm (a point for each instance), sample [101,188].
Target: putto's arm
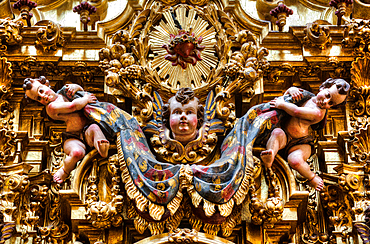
[55,109]
[306,113]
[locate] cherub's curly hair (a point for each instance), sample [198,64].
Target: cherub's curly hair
[183,96]
[342,86]
[28,83]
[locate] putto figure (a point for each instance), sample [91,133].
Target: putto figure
[71,105]
[293,136]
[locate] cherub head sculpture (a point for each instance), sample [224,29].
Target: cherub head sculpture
[39,90]
[183,115]
[334,89]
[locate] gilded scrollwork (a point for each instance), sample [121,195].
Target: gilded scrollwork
[10,33]
[356,35]
[358,144]
[317,34]
[274,73]
[7,134]
[13,187]
[49,37]
[7,142]
[5,87]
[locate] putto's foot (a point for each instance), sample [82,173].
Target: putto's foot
[60,175]
[103,147]
[267,157]
[317,183]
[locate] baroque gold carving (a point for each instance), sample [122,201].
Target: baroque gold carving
[10,33]
[7,135]
[269,212]
[7,142]
[53,229]
[359,144]
[360,86]
[5,86]
[317,34]
[339,212]
[356,35]
[49,37]
[101,214]
[135,63]
[183,235]
[57,153]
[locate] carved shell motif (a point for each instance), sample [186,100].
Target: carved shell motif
[360,84]
[360,72]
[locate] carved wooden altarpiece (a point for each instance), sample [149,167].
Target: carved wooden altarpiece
[136,55]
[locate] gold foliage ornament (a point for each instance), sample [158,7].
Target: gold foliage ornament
[5,86]
[7,135]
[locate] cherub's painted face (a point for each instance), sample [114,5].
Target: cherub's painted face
[183,120]
[41,93]
[328,97]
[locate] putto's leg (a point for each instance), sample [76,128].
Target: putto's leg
[297,158]
[95,138]
[75,151]
[276,142]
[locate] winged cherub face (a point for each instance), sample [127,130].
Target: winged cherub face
[183,120]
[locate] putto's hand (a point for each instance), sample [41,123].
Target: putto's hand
[90,98]
[71,89]
[276,102]
[296,93]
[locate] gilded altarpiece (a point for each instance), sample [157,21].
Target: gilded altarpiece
[136,55]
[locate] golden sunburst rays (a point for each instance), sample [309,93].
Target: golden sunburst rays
[175,76]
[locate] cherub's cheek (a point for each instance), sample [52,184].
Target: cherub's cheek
[194,120]
[173,121]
